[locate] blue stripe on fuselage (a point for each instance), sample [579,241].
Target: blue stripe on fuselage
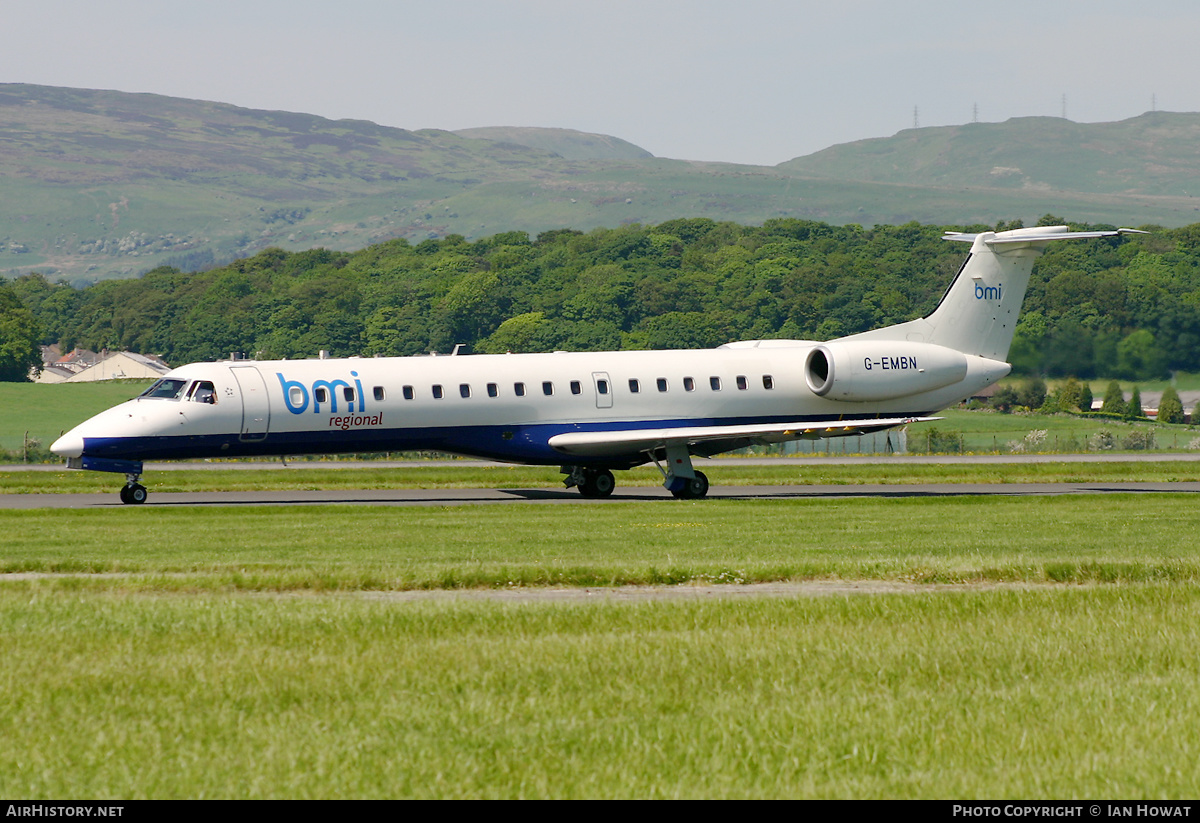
[526,443]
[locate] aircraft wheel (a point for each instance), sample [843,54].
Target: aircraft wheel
[694,489]
[135,494]
[598,484]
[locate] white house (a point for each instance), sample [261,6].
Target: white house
[106,366]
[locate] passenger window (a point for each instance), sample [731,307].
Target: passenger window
[379,393]
[547,388]
[575,387]
[297,398]
[602,386]
[768,382]
[409,394]
[741,382]
[320,395]
[348,394]
[464,389]
[519,389]
[689,384]
[634,387]
[493,390]
[714,383]
[437,392]
[662,383]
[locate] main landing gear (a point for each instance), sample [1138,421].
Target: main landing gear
[690,488]
[591,482]
[679,478]
[133,491]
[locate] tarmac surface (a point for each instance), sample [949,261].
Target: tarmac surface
[468,497]
[460,497]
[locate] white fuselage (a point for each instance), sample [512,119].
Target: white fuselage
[504,407]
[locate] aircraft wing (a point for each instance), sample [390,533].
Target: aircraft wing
[632,441]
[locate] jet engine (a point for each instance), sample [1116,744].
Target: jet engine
[859,370]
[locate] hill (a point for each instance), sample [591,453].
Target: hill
[1154,155]
[566,143]
[104,184]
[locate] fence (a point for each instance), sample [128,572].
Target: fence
[884,442]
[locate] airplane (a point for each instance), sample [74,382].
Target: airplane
[589,412]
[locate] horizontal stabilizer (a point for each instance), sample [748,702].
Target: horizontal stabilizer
[1040,234]
[978,314]
[634,441]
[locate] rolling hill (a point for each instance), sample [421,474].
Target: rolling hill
[102,184]
[566,143]
[1156,154]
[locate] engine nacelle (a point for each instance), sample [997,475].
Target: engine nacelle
[859,370]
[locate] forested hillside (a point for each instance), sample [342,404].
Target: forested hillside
[105,184]
[1118,307]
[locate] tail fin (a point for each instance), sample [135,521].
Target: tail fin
[979,311]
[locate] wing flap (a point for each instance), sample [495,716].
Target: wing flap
[632,441]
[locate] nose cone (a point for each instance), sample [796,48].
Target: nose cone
[113,423]
[69,445]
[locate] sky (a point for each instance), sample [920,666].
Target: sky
[742,81]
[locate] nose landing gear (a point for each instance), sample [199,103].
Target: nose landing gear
[133,491]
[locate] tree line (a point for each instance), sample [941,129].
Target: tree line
[1124,307]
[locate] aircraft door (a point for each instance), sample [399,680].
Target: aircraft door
[604,389]
[256,407]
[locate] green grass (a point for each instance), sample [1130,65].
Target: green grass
[987,432]
[1063,693]
[47,410]
[1077,539]
[256,652]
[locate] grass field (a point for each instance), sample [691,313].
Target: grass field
[1033,647]
[46,411]
[984,432]
[1063,693]
[1085,539]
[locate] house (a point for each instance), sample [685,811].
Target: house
[82,366]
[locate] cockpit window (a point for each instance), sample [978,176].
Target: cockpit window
[203,392]
[170,388]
